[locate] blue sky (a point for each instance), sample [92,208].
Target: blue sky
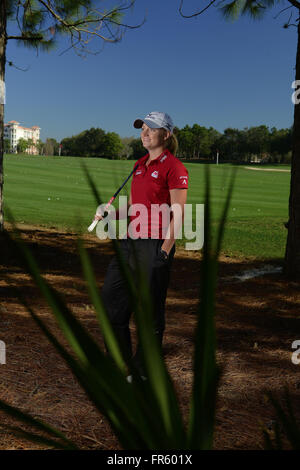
[202,70]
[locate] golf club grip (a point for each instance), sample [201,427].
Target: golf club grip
[105,213]
[92,226]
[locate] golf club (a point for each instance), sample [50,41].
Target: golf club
[94,223]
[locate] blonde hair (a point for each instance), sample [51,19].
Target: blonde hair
[171,143]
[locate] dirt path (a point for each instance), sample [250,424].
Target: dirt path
[257,321]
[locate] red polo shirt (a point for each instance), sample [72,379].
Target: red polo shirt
[151,187]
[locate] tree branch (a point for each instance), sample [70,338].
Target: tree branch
[89,23]
[288,24]
[53,13]
[281,11]
[195,14]
[295,3]
[128,26]
[91,32]
[11,64]
[26,38]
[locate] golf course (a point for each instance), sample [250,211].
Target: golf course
[54,192]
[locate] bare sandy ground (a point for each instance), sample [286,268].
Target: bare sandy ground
[256,323]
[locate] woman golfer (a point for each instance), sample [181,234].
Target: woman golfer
[159,181]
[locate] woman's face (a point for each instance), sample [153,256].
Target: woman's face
[153,138]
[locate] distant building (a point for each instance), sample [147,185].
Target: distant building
[13,131]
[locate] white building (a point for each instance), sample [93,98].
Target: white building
[13,131]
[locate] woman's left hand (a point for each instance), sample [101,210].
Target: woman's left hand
[161,259]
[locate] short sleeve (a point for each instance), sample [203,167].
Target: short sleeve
[178,176]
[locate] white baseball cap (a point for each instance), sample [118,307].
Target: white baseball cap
[156,120]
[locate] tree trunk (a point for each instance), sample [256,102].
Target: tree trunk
[2,80]
[292,254]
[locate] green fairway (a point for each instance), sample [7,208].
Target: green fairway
[53,191]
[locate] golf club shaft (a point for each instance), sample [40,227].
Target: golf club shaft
[94,223]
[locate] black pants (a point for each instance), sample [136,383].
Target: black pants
[115,295]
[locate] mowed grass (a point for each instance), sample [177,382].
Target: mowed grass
[53,192]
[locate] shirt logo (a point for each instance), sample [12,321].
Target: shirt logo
[184,178]
[154,174]
[138,172]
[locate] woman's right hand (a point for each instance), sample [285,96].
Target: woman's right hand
[98,217]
